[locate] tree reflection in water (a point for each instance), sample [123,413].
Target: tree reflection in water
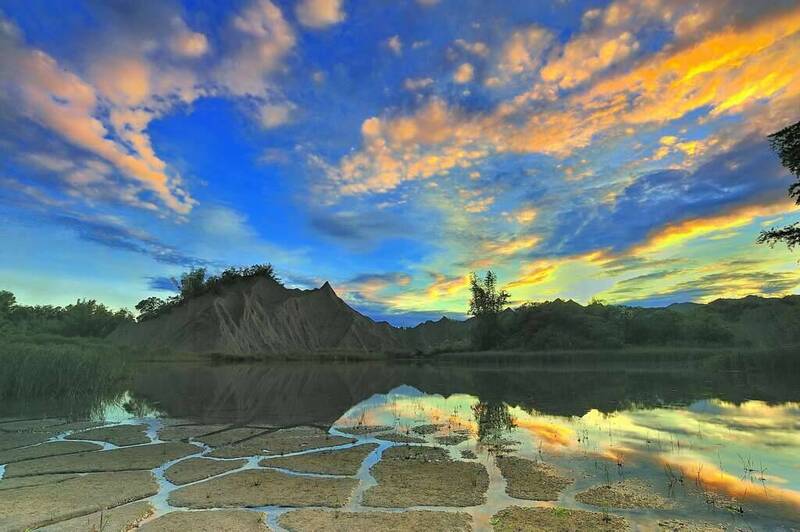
[495,422]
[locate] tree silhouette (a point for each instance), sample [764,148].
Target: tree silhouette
[786,143]
[486,304]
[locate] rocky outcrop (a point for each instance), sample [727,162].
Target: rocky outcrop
[262,317]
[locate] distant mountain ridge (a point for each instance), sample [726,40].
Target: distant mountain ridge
[261,317]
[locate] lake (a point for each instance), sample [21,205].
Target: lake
[315,446]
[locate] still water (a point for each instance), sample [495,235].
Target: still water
[684,447]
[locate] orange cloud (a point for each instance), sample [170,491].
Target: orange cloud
[675,234]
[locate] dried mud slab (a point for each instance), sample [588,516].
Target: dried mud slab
[208,521]
[676,525]
[32,425]
[335,462]
[516,519]
[193,469]
[364,429]
[535,481]
[427,429]
[264,488]
[425,476]
[45,504]
[21,482]
[627,494]
[120,518]
[281,442]
[336,521]
[120,435]
[452,439]
[46,449]
[12,440]
[185,432]
[229,436]
[398,437]
[124,459]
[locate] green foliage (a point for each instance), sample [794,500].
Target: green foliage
[149,308]
[485,305]
[786,143]
[196,282]
[566,325]
[79,373]
[86,317]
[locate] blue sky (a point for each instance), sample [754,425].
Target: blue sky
[580,149]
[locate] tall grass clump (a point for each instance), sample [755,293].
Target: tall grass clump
[42,367]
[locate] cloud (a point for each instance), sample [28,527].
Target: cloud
[38,88]
[319,13]
[663,87]
[584,56]
[464,73]
[522,52]
[664,207]
[164,284]
[274,115]
[415,84]
[395,44]
[263,38]
[186,43]
[478,48]
[111,232]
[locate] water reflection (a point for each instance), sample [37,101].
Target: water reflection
[723,460]
[726,444]
[286,394]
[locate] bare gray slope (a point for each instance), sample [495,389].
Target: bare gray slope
[259,316]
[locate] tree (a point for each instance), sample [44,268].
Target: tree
[192,283]
[486,304]
[149,308]
[7,302]
[786,143]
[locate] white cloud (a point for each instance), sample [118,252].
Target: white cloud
[395,44]
[274,115]
[319,13]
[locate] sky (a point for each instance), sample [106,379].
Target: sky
[579,149]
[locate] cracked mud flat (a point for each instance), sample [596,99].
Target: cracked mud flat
[360,430]
[120,435]
[122,459]
[517,519]
[397,437]
[531,480]
[300,478]
[415,476]
[335,521]
[264,488]
[47,449]
[124,517]
[185,432]
[194,469]
[336,462]
[627,494]
[676,525]
[281,442]
[45,504]
[208,521]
